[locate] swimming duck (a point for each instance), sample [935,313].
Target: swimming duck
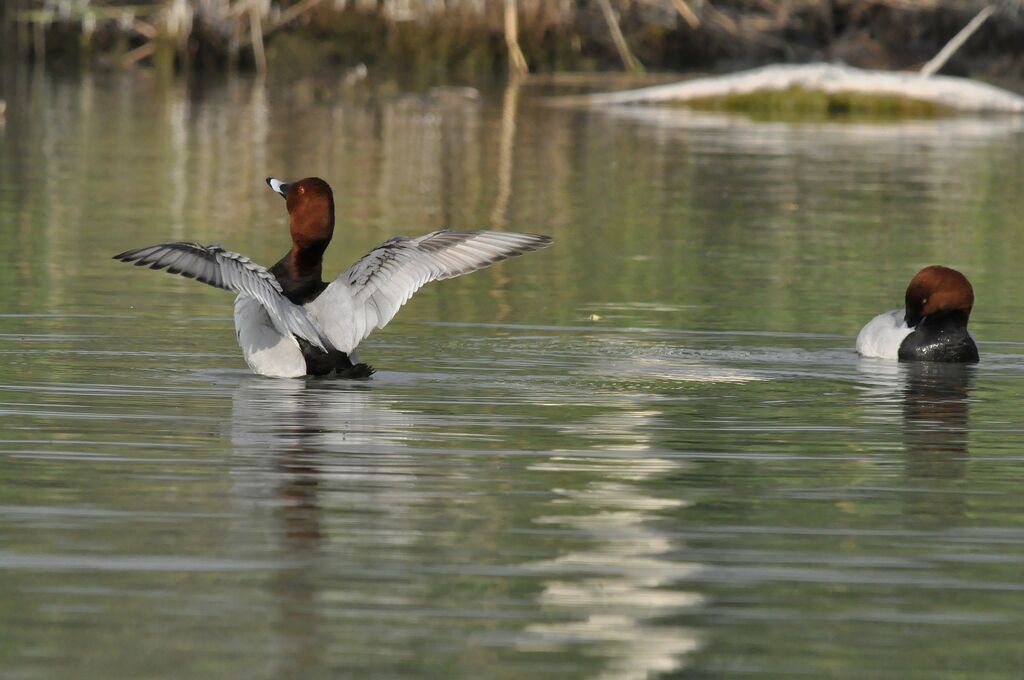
[288,321]
[931,327]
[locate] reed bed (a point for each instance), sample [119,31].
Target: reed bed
[494,36]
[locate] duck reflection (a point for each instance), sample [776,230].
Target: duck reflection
[271,430]
[280,432]
[935,433]
[606,596]
[933,401]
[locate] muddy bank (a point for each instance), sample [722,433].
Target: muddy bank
[470,38]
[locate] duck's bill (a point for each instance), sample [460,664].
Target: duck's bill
[278,186]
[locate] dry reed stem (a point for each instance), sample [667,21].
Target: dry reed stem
[516,61]
[138,54]
[144,29]
[745,25]
[621,46]
[687,13]
[940,59]
[289,14]
[256,32]
[506,151]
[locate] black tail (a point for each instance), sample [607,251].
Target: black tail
[356,372]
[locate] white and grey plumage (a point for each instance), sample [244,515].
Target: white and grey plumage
[230,271]
[279,310]
[376,286]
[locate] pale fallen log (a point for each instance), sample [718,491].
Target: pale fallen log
[957,94]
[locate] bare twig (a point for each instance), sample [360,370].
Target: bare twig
[722,20]
[144,29]
[286,16]
[686,13]
[628,60]
[940,59]
[256,31]
[139,53]
[516,61]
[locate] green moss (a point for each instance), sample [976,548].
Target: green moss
[801,103]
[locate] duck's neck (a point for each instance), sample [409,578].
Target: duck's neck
[300,272]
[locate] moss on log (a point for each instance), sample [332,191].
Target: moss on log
[821,87]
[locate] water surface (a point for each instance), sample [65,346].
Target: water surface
[648,451]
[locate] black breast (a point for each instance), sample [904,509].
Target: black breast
[940,338]
[300,291]
[300,281]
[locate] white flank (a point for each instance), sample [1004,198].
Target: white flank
[882,336]
[266,350]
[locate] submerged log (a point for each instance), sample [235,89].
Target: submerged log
[955,94]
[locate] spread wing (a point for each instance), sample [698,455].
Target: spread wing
[223,269]
[383,280]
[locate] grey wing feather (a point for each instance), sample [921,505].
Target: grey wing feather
[384,279]
[230,271]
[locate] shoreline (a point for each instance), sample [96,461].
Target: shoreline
[470,40]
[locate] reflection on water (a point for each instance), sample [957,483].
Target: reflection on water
[933,401]
[647,452]
[298,443]
[627,584]
[280,433]
[936,426]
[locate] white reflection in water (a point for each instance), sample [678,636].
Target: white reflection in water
[629,579]
[287,436]
[882,385]
[784,136]
[619,358]
[291,425]
[673,369]
[325,414]
[935,150]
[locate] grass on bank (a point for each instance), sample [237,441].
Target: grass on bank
[801,103]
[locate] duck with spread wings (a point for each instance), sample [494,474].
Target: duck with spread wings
[289,321]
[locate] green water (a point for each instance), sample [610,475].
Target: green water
[646,452]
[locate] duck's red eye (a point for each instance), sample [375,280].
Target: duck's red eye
[300,189]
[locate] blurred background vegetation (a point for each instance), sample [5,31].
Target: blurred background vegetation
[475,38]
